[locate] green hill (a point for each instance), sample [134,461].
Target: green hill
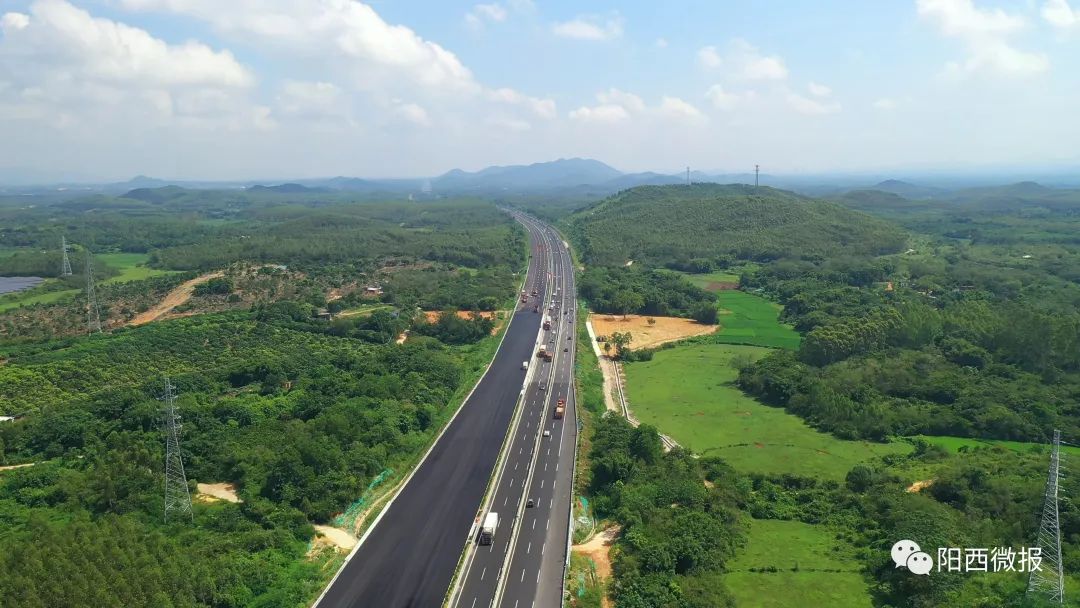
[671,225]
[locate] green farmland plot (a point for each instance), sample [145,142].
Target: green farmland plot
[749,319]
[132,266]
[812,568]
[688,393]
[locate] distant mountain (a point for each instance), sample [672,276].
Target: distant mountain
[156,196]
[670,225]
[562,173]
[285,189]
[908,190]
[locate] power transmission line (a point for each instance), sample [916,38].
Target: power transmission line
[65,266]
[177,495]
[1048,581]
[93,312]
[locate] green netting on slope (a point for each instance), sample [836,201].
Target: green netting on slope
[347,519]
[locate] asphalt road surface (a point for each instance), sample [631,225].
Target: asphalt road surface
[408,559]
[523,567]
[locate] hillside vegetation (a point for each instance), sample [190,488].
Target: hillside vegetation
[687,227]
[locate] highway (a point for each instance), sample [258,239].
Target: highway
[523,567]
[408,557]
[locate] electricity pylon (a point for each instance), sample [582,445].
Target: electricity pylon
[93,312]
[177,495]
[1048,581]
[65,266]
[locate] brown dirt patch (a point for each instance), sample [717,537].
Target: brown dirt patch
[644,334]
[720,286]
[174,298]
[214,492]
[12,467]
[919,485]
[335,539]
[598,549]
[759,445]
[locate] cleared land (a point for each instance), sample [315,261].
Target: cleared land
[499,317]
[645,335]
[175,298]
[749,319]
[213,492]
[688,393]
[801,553]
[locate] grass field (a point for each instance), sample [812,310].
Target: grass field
[687,392]
[955,443]
[749,319]
[131,266]
[786,545]
[35,296]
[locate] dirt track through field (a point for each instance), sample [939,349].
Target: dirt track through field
[175,298]
[598,549]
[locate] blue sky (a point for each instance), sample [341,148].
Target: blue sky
[300,88]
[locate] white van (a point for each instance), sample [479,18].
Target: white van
[524,365]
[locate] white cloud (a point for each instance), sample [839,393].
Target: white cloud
[885,103]
[57,36]
[346,33]
[316,100]
[677,108]
[413,113]
[661,43]
[725,100]
[544,108]
[482,13]
[818,90]
[604,113]
[709,57]
[590,27]
[1059,14]
[504,123]
[984,31]
[631,102]
[806,105]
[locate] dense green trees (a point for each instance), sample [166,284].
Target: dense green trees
[632,290]
[678,533]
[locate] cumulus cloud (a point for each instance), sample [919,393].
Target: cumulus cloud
[1060,14]
[590,27]
[57,36]
[544,108]
[985,32]
[709,57]
[631,102]
[723,99]
[680,109]
[482,13]
[413,113]
[380,56]
[806,105]
[818,90]
[603,113]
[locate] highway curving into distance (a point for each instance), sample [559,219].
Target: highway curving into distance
[523,567]
[409,556]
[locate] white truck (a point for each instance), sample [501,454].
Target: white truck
[524,365]
[487,531]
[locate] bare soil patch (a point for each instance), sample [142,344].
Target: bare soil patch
[214,492]
[598,549]
[174,298]
[919,485]
[335,537]
[645,334]
[12,467]
[720,286]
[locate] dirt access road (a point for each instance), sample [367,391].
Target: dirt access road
[175,298]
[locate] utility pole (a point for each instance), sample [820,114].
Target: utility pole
[65,266]
[688,176]
[177,495]
[93,312]
[1048,580]
[757,170]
